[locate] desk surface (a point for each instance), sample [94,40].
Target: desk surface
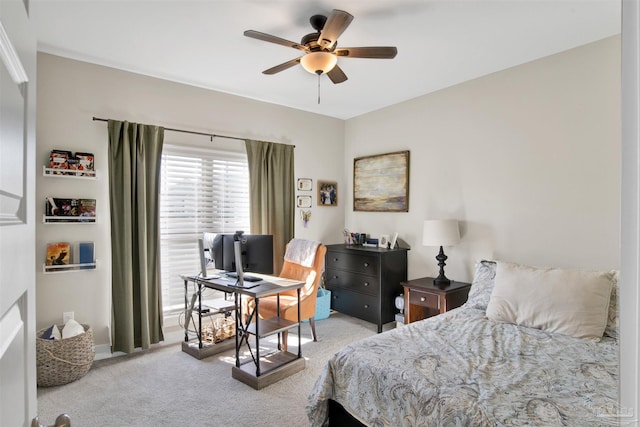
[268,286]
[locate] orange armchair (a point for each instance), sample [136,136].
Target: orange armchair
[289,300]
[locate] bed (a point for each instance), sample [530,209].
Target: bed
[469,367]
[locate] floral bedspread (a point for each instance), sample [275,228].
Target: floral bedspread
[461,369]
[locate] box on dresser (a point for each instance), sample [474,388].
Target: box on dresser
[364,281]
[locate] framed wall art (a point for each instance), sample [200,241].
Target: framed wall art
[327,193]
[303,201]
[381,183]
[304,184]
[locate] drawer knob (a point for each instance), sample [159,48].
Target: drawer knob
[335,277]
[366,264]
[335,260]
[366,284]
[422,299]
[366,306]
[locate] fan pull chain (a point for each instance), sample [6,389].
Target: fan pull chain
[319,88]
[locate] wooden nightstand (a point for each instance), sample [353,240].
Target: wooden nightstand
[422,299]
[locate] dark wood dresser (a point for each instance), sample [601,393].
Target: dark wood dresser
[364,281]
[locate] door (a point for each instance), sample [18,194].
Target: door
[18,399]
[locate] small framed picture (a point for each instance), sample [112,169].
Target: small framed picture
[304,184]
[327,193]
[303,201]
[394,240]
[383,241]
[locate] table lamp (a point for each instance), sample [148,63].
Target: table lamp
[441,232]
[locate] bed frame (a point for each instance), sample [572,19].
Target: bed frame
[339,417]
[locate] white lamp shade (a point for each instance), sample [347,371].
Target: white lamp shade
[441,232]
[319,62]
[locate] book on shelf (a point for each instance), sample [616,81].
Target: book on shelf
[84,162]
[58,254]
[59,159]
[73,209]
[84,254]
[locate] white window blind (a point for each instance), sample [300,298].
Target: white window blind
[201,190]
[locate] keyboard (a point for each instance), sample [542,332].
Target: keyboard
[246,277]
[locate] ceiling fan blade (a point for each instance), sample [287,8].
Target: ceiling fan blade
[282,67]
[273,39]
[378,52]
[337,75]
[336,23]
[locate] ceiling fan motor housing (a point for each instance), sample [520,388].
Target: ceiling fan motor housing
[317,22]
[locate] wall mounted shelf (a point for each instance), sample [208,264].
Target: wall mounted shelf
[69,268]
[68,219]
[69,173]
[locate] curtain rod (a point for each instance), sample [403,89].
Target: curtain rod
[211,135]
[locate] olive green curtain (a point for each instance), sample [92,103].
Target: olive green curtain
[134,189]
[271,194]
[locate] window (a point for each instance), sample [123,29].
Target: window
[201,190]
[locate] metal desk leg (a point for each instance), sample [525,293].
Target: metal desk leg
[186,308]
[238,326]
[257,312]
[299,328]
[278,314]
[199,315]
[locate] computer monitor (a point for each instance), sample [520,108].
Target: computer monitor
[257,253]
[203,260]
[213,249]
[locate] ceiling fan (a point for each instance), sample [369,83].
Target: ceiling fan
[321,50]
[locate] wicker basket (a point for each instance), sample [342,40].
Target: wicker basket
[219,330]
[63,361]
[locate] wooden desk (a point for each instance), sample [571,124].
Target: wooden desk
[261,370]
[423,299]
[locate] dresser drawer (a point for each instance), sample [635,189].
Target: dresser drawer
[358,263]
[424,299]
[352,281]
[355,304]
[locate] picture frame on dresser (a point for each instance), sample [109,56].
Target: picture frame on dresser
[394,240]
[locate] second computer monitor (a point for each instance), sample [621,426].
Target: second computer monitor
[213,249]
[257,253]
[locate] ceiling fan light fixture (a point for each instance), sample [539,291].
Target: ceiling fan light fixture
[319,62]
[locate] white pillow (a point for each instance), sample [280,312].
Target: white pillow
[569,302]
[55,333]
[482,285]
[52,333]
[71,329]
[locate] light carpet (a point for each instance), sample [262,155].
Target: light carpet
[166,387]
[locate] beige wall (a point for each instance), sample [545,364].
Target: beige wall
[70,93]
[528,159]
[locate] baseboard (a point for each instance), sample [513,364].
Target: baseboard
[103,351]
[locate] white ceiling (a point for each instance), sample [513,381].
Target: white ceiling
[201,43]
